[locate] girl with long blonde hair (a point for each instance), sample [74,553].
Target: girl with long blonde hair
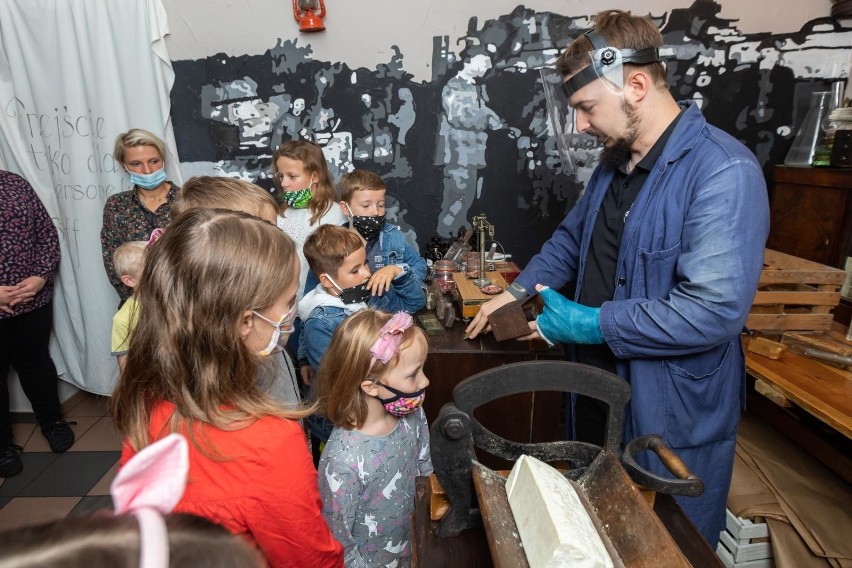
[218,294]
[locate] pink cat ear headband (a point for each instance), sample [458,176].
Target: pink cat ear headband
[150,485]
[390,337]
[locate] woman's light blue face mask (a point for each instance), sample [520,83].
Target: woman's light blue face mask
[148,181]
[283,329]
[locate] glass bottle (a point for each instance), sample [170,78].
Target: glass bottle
[822,153]
[810,133]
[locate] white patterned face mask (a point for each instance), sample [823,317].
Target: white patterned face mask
[283,329]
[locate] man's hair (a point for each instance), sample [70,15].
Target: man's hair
[208,269]
[621,30]
[328,246]
[103,539]
[313,160]
[347,362]
[136,137]
[217,192]
[359,180]
[129,258]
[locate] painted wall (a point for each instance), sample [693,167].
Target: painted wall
[447,105]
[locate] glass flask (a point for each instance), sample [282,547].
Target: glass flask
[810,133]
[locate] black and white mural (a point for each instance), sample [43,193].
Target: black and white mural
[475,138]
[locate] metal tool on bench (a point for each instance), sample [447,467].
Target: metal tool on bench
[627,521]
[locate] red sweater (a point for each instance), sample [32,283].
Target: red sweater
[266,490]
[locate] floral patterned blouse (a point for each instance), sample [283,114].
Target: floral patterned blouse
[29,244]
[127,219]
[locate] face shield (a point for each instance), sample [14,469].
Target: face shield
[580,152]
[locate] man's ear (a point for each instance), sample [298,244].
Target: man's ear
[370,387]
[129,281]
[638,84]
[246,324]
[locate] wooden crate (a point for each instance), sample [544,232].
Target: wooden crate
[470,297]
[794,294]
[744,544]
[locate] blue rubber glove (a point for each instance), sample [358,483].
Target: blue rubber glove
[564,321]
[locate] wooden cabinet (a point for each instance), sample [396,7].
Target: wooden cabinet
[811,214]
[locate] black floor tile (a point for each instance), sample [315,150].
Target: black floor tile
[34,465]
[72,475]
[91,504]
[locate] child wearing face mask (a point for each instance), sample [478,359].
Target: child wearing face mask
[219,295]
[306,194]
[337,256]
[371,386]
[390,257]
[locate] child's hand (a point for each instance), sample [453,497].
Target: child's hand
[380,281]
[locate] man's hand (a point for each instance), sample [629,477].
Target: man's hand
[564,321]
[480,322]
[26,290]
[380,281]
[6,299]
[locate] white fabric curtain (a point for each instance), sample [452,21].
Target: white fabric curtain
[73,75]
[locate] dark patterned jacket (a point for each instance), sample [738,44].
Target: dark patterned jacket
[29,244]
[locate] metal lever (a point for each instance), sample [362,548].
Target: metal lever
[687,483]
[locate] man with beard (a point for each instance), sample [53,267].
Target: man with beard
[664,251]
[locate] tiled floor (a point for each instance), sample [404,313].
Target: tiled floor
[55,485]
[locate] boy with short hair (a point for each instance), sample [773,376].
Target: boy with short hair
[128,259]
[337,257]
[389,255]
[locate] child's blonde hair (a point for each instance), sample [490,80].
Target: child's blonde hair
[326,248]
[347,363]
[219,192]
[200,278]
[359,180]
[313,160]
[103,539]
[129,258]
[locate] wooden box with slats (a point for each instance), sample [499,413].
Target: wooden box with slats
[794,294]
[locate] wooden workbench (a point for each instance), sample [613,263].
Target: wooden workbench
[820,418]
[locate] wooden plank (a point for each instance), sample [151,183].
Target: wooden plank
[744,529]
[784,322]
[777,259]
[744,551]
[764,297]
[787,276]
[821,390]
[504,541]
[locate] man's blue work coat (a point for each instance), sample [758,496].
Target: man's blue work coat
[687,270]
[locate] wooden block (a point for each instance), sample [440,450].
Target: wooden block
[767,348]
[772,394]
[470,296]
[511,321]
[439,504]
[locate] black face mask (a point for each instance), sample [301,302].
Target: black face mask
[368,227]
[353,294]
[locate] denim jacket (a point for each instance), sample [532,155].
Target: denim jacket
[391,248]
[687,270]
[321,313]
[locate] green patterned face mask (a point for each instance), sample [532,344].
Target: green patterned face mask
[298,199]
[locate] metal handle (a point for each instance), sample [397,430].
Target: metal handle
[687,483]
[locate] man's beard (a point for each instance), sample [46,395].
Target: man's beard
[619,152]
